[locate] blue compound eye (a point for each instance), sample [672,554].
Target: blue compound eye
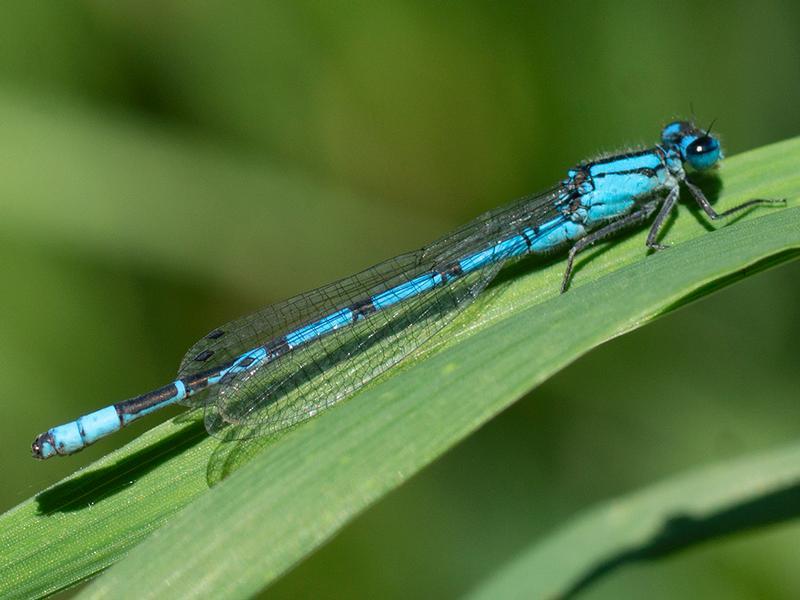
[703,152]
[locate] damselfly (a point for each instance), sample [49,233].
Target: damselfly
[285,363]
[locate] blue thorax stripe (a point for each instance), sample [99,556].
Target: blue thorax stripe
[626,163]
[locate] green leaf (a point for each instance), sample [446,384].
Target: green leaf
[686,509]
[288,495]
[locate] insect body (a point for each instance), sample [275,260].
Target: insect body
[283,364]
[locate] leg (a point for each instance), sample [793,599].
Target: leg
[635,218]
[666,208]
[701,199]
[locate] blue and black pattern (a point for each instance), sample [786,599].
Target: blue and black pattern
[283,364]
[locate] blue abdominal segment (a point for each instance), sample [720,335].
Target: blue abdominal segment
[404,291]
[83,431]
[319,328]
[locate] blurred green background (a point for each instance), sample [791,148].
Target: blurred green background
[165,167]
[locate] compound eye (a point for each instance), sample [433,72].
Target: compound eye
[703,152]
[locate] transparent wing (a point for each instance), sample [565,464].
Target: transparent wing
[309,379]
[275,395]
[225,343]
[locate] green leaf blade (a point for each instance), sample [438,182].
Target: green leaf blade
[688,508]
[293,493]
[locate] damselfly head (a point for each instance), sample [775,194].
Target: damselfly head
[697,147]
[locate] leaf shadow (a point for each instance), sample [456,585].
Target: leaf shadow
[233,452]
[683,531]
[89,488]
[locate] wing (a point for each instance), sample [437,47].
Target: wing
[230,341]
[276,395]
[226,343]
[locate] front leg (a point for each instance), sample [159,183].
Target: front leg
[701,199]
[634,218]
